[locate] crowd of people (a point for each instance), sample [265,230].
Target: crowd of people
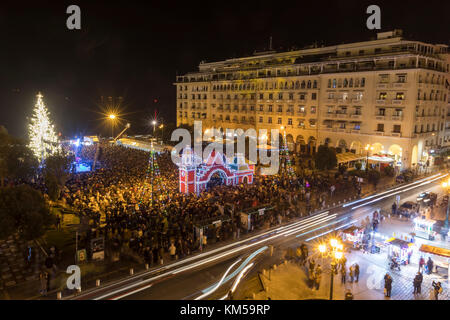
[137,205]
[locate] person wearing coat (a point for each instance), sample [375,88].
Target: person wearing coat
[388,285]
[417,282]
[437,289]
[356,272]
[343,275]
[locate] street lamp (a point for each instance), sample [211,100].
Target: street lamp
[154,124]
[368,147]
[446,186]
[334,251]
[162,131]
[112,117]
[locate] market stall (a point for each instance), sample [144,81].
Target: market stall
[440,256]
[399,249]
[423,228]
[349,159]
[352,236]
[380,161]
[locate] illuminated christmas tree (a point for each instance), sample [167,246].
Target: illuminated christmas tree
[43,139]
[288,165]
[153,181]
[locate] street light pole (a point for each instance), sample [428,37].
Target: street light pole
[334,251]
[333,270]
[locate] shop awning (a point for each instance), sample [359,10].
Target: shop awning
[378,158]
[399,243]
[347,157]
[435,250]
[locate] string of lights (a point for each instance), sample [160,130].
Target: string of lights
[43,139]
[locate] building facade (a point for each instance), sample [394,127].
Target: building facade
[389,95]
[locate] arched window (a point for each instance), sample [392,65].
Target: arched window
[315,84]
[357,83]
[309,84]
[334,83]
[297,84]
[340,83]
[329,83]
[351,83]
[303,84]
[345,83]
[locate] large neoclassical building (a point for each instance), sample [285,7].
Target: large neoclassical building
[389,95]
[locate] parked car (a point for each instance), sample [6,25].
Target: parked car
[408,209]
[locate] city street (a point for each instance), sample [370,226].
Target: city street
[199,274]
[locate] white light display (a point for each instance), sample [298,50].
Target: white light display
[43,139]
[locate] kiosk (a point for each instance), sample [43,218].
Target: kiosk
[423,228]
[399,249]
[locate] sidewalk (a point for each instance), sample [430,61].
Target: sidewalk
[289,282]
[13,269]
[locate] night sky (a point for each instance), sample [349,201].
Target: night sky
[135,49]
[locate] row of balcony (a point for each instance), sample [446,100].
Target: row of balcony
[330,68]
[396,102]
[394,85]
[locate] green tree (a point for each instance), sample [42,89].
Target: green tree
[56,173]
[17,161]
[389,171]
[374,177]
[325,158]
[24,210]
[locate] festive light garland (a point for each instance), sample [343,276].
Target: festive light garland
[288,165]
[154,175]
[43,139]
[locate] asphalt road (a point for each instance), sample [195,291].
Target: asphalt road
[192,277]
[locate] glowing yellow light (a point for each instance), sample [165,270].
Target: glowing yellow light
[282,127]
[322,248]
[334,243]
[340,246]
[153,122]
[444,184]
[338,255]
[112,116]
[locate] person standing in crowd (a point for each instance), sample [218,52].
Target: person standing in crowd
[172,251]
[205,242]
[387,285]
[394,208]
[43,282]
[352,273]
[417,283]
[356,272]
[437,287]
[430,265]
[343,275]
[318,276]
[311,265]
[421,263]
